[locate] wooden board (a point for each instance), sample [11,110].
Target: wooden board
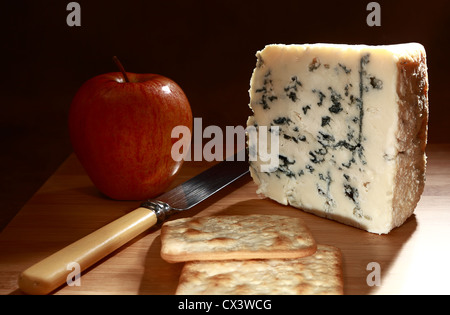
[412,258]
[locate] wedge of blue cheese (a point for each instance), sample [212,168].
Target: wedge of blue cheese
[352,127]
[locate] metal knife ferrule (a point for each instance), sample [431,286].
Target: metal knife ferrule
[162,209]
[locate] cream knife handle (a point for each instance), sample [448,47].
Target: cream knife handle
[50,273]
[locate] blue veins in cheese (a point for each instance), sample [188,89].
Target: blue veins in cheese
[352,127]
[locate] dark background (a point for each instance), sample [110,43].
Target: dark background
[207,47]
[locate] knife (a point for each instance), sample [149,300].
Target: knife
[53,271]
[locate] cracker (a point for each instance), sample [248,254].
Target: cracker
[318,274]
[236,237]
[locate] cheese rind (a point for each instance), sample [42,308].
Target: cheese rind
[352,131]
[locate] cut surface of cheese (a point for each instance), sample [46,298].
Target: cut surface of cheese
[351,122]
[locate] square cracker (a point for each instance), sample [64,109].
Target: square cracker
[318,274]
[236,237]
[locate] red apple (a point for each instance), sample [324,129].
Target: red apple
[120,127]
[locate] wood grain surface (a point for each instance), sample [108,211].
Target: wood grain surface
[412,258]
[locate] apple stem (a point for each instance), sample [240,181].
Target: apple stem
[121,68]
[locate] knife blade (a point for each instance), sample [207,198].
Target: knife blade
[198,188]
[55,270]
